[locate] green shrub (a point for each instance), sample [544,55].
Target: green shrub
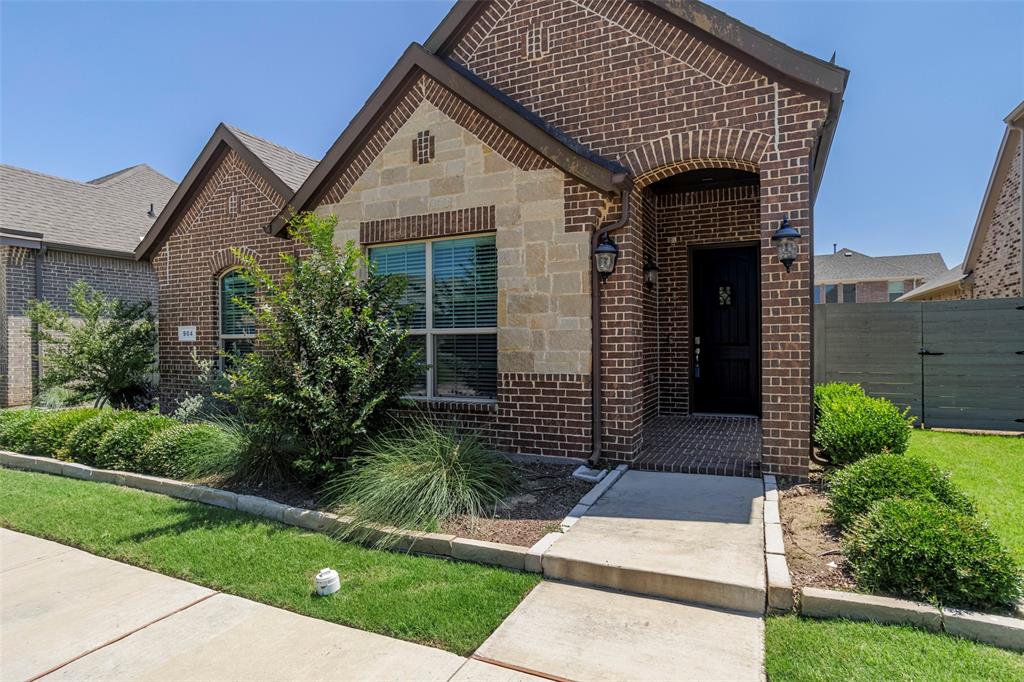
[190,451]
[419,475]
[122,446]
[825,395]
[852,428]
[853,490]
[16,429]
[930,552]
[50,432]
[83,443]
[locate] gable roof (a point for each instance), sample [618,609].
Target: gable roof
[947,280]
[849,265]
[1013,138]
[719,29]
[560,149]
[281,167]
[105,216]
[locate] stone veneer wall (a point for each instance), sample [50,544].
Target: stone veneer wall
[997,272]
[126,279]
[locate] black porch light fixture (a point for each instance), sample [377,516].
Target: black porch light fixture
[651,271]
[785,241]
[606,255]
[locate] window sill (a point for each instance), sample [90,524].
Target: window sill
[454,404]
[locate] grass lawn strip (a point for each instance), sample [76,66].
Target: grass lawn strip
[990,469]
[450,605]
[802,649]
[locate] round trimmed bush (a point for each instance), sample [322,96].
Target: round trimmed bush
[930,552]
[16,429]
[122,446]
[853,428]
[190,451]
[826,395]
[853,490]
[83,443]
[50,432]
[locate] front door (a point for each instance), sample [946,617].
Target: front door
[725,365]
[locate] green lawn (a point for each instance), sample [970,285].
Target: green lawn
[990,469]
[827,650]
[451,605]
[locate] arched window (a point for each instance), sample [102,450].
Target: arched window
[237,328]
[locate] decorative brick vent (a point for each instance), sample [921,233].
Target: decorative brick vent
[536,42]
[423,147]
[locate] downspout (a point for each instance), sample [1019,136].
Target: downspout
[37,368]
[624,183]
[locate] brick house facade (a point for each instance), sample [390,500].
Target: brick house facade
[519,131]
[994,264]
[42,253]
[847,276]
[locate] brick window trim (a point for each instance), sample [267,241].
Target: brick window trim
[427,226]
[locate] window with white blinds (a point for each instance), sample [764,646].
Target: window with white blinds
[237,328]
[453,288]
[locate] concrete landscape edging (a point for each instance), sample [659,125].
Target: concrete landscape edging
[780,587]
[591,498]
[433,544]
[1001,631]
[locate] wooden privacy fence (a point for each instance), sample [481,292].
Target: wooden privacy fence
[956,364]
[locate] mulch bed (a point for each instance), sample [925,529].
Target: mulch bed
[547,492]
[812,541]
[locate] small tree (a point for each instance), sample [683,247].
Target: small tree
[332,357]
[105,353]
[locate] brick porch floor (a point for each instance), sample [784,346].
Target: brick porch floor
[724,446]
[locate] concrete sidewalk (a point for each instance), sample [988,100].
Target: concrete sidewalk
[66,614]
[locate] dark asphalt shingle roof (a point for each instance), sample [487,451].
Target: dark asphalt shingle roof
[847,264]
[292,167]
[109,213]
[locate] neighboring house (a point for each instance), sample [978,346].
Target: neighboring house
[848,276]
[485,167]
[994,264]
[54,232]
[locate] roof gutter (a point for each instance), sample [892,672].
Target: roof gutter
[624,184]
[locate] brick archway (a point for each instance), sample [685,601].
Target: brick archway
[219,261]
[709,148]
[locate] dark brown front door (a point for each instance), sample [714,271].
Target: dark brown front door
[726,338]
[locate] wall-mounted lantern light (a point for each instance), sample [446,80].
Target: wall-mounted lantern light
[651,271]
[785,241]
[606,254]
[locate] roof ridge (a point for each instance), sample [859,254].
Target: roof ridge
[236,130]
[49,176]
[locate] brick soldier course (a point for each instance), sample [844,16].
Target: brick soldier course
[534,121]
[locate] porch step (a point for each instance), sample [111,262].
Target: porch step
[685,537]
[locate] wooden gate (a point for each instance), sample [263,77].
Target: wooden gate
[956,364]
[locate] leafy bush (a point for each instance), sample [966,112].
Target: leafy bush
[419,475]
[930,552]
[190,451]
[83,443]
[16,428]
[122,446]
[336,358]
[50,432]
[107,354]
[825,395]
[854,427]
[852,491]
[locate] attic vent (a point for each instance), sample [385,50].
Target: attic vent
[536,45]
[423,147]
[233,204]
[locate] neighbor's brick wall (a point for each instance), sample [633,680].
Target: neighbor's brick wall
[997,271]
[198,249]
[617,79]
[126,279]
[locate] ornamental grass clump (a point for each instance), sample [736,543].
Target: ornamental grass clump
[83,443]
[853,490]
[416,477]
[122,446]
[930,552]
[190,451]
[854,427]
[49,433]
[16,428]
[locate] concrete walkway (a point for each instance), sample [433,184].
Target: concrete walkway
[686,537]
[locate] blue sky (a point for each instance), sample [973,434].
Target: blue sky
[87,88]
